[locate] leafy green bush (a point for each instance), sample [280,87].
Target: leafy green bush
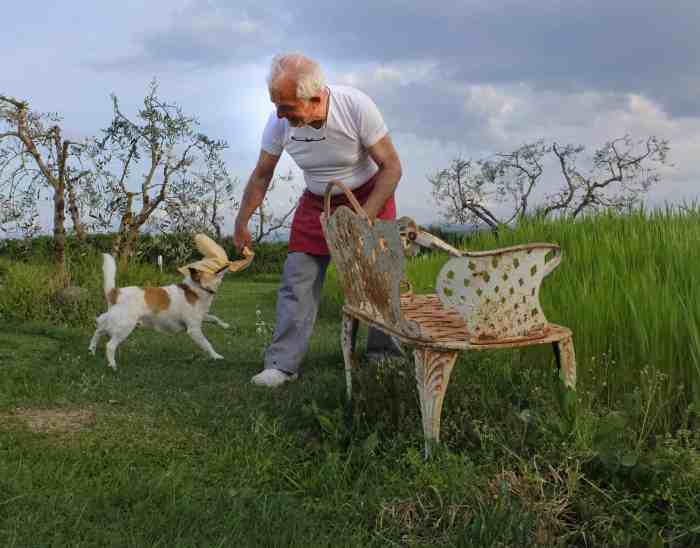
[175,248]
[32,290]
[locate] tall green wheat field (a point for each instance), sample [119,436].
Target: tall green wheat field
[627,288]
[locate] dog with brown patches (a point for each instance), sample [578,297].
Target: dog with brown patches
[170,309]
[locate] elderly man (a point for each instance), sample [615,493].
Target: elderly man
[332,133]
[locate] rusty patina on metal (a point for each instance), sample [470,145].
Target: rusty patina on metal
[369,260]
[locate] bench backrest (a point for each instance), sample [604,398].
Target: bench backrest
[497,292]
[369,260]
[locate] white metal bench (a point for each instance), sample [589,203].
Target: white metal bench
[483,301]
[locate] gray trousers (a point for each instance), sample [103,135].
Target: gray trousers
[298,299]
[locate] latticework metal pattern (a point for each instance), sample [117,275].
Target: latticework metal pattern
[497,292]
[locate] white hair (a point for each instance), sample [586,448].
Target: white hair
[307,73]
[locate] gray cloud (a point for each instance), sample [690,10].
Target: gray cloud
[204,34]
[634,46]
[469,77]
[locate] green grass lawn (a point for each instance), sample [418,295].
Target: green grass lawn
[177,450]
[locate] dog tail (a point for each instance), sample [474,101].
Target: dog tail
[109,275]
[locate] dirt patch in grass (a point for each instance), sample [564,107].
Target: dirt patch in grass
[52,421]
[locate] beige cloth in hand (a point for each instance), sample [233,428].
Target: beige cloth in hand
[215,258]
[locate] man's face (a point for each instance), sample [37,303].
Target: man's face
[297,111]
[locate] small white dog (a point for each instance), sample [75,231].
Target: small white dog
[170,309]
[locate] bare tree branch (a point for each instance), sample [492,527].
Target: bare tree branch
[265,220]
[161,143]
[620,172]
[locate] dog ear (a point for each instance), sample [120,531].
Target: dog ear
[195,274]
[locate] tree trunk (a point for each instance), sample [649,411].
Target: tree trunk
[124,228]
[129,243]
[59,226]
[117,245]
[75,214]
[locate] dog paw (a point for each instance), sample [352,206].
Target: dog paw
[92,350]
[217,357]
[225,325]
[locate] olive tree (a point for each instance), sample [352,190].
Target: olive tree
[267,219]
[499,190]
[202,205]
[36,157]
[621,172]
[145,162]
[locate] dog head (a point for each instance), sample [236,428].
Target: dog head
[209,281]
[209,271]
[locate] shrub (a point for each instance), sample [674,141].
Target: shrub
[175,248]
[31,290]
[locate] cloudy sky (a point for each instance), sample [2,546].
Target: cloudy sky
[453,78]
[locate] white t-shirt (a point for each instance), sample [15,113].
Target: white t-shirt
[338,150]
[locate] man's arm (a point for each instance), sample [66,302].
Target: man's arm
[385,156]
[253,196]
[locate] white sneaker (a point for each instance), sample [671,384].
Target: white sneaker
[273,378]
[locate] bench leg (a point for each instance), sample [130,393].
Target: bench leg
[348,337]
[566,361]
[433,369]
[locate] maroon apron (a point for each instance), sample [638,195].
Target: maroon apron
[307,235]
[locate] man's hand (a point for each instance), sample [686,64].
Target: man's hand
[242,237]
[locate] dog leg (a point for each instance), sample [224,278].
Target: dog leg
[115,340]
[99,333]
[216,320]
[95,340]
[198,337]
